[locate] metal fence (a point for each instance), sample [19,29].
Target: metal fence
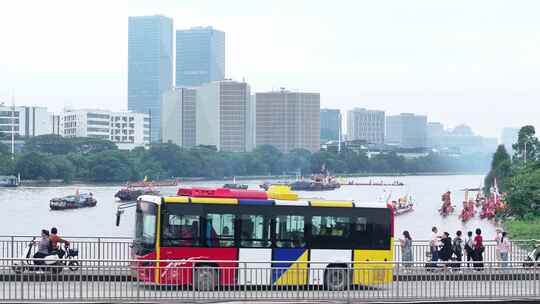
[113,281]
[118,248]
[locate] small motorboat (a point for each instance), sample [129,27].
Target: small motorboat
[130,194]
[82,200]
[236,186]
[404,209]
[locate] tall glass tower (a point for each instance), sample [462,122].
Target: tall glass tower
[200,56]
[150,64]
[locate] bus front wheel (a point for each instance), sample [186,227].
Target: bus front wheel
[335,279]
[205,279]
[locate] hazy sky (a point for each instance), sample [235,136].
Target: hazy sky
[474,62]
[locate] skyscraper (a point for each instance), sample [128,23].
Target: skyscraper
[330,124]
[407,130]
[200,56]
[288,120]
[150,60]
[178,115]
[224,116]
[366,125]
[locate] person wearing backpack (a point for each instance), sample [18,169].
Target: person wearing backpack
[469,248]
[457,248]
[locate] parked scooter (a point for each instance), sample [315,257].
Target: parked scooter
[533,258]
[52,262]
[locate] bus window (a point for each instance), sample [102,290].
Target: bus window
[330,231]
[371,232]
[219,230]
[254,231]
[290,231]
[180,230]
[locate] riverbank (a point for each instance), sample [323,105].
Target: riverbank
[59,182]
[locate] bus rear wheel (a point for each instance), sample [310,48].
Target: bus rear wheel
[335,279]
[205,279]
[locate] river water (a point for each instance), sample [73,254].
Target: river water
[25,210]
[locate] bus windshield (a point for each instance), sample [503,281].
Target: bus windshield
[145,227]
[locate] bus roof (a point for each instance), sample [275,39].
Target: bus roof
[258,202]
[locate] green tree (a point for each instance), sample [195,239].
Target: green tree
[523,195]
[501,169]
[35,165]
[527,146]
[111,166]
[64,168]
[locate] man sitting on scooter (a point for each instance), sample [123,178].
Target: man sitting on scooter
[55,242]
[44,247]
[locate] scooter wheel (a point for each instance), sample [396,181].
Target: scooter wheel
[73,265]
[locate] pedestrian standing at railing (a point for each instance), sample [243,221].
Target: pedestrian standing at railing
[434,245]
[457,248]
[478,249]
[498,237]
[406,248]
[504,250]
[469,250]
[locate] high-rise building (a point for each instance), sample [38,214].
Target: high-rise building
[366,125]
[288,120]
[178,116]
[435,132]
[509,137]
[406,130]
[150,66]
[25,121]
[126,129]
[330,124]
[200,56]
[224,116]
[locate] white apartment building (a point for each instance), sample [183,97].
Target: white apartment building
[126,129]
[24,121]
[178,116]
[366,125]
[225,116]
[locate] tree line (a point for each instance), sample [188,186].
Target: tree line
[518,175]
[49,157]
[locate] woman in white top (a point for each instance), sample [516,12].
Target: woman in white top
[504,250]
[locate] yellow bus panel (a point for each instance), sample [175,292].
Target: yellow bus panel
[176,199]
[319,203]
[212,200]
[372,274]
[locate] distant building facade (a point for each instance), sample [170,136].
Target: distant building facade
[509,137]
[178,116]
[200,56]
[126,129]
[25,121]
[224,116]
[150,65]
[330,124]
[368,125]
[460,139]
[288,120]
[406,130]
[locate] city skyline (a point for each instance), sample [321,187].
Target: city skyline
[453,72]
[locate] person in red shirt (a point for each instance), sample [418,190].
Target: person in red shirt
[478,247]
[55,242]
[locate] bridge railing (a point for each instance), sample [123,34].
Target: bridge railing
[118,280]
[117,248]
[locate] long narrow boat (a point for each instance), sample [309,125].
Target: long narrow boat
[83,200]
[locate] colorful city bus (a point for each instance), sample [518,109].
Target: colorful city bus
[301,242]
